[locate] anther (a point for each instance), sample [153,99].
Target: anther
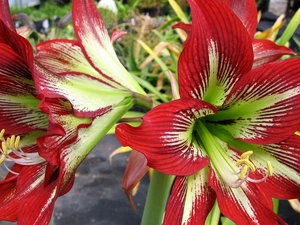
[12,142]
[270,169]
[2,133]
[17,142]
[3,152]
[243,173]
[247,163]
[246,155]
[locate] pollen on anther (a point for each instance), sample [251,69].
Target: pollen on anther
[2,133]
[246,155]
[12,141]
[270,168]
[17,142]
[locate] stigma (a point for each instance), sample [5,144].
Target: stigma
[245,167]
[10,150]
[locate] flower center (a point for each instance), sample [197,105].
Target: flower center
[222,159]
[10,150]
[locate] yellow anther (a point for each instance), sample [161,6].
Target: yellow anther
[4,152]
[247,163]
[243,173]
[12,141]
[270,168]
[2,133]
[17,142]
[246,155]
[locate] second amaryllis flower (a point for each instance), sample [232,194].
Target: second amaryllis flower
[230,136]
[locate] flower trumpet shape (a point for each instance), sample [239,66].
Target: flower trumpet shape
[88,75]
[230,137]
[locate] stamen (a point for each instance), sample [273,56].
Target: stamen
[18,156]
[243,172]
[247,163]
[245,167]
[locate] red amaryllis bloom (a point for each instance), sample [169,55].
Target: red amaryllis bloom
[89,77]
[29,191]
[230,136]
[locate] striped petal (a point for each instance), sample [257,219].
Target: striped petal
[165,136]
[247,13]
[19,112]
[264,106]
[77,88]
[285,160]
[249,204]
[73,154]
[97,46]
[266,51]
[211,62]
[16,42]
[191,200]
[27,196]
[62,129]
[66,57]
[5,15]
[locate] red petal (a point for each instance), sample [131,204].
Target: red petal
[190,201]
[29,199]
[19,44]
[19,112]
[244,205]
[97,46]
[165,136]
[5,15]
[185,27]
[285,182]
[264,106]
[246,11]
[266,51]
[211,61]
[8,208]
[116,34]
[135,170]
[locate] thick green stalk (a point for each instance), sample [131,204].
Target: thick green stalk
[157,197]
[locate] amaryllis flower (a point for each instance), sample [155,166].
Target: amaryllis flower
[230,137]
[45,151]
[88,76]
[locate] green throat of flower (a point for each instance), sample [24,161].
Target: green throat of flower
[233,169]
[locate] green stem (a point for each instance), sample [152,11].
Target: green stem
[52,220]
[157,197]
[275,205]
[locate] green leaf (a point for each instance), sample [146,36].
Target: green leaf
[290,29]
[214,215]
[181,15]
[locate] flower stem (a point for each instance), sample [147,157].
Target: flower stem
[157,197]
